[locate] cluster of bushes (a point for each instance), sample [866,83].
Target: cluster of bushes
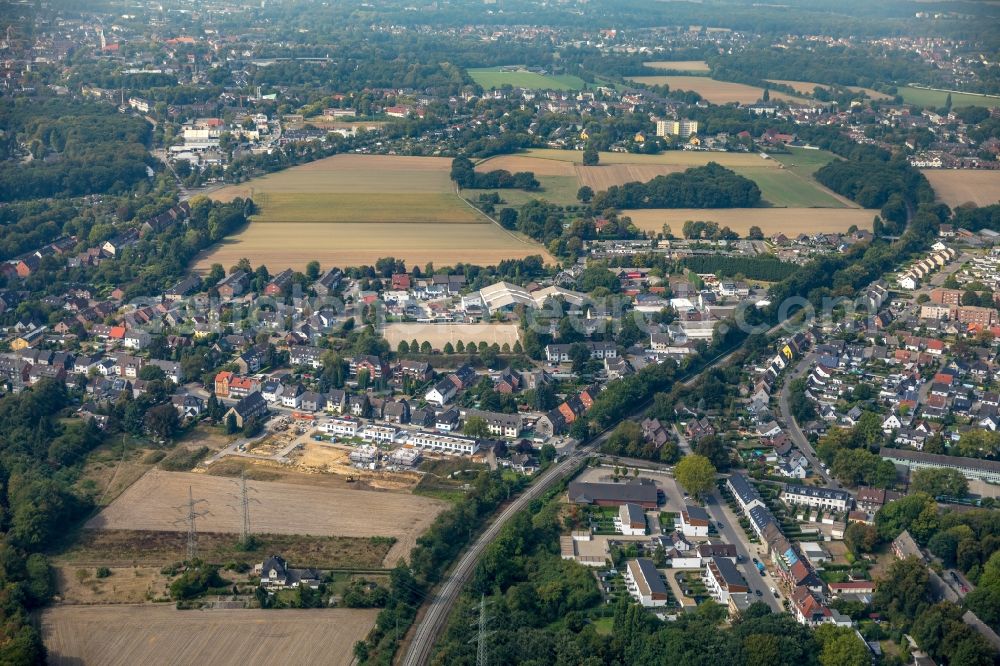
[464,173]
[905,596]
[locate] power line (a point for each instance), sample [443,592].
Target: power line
[191,519]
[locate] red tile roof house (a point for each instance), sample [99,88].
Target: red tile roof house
[222,383]
[27,266]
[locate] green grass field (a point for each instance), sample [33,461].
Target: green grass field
[937,98]
[783,188]
[559,190]
[492,77]
[401,207]
[804,162]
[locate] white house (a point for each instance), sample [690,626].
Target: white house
[818,498]
[644,583]
[339,426]
[445,443]
[631,520]
[441,393]
[908,281]
[891,423]
[723,579]
[693,521]
[379,434]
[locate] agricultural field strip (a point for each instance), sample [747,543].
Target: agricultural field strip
[958,186]
[280,508]
[780,186]
[679,65]
[321,211]
[716,92]
[807,87]
[159,634]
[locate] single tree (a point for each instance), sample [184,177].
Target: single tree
[696,473]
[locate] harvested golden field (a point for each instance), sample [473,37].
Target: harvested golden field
[348,210]
[716,92]
[600,178]
[679,158]
[161,634]
[351,244]
[153,502]
[515,163]
[790,221]
[351,174]
[807,88]
[679,65]
[439,334]
[959,186]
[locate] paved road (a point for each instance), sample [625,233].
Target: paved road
[731,532]
[798,437]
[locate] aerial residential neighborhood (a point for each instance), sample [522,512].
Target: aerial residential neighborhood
[500,331]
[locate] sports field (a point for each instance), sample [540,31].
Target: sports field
[679,65]
[124,635]
[440,334]
[808,87]
[716,92]
[938,98]
[785,182]
[790,221]
[493,77]
[349,210]
[959,186]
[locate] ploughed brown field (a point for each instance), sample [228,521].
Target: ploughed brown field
[959,186]
[126,635]
[807,88]
[156,503]
[600,178]
[789,221]
[348,210]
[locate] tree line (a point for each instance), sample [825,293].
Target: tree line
[754,268]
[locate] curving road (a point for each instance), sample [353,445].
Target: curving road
[796,434]
[430,625]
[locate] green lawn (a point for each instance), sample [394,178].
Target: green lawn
[603,625]
[492,77]
[936,98]
[782,187]
[560,190]
[803,161]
